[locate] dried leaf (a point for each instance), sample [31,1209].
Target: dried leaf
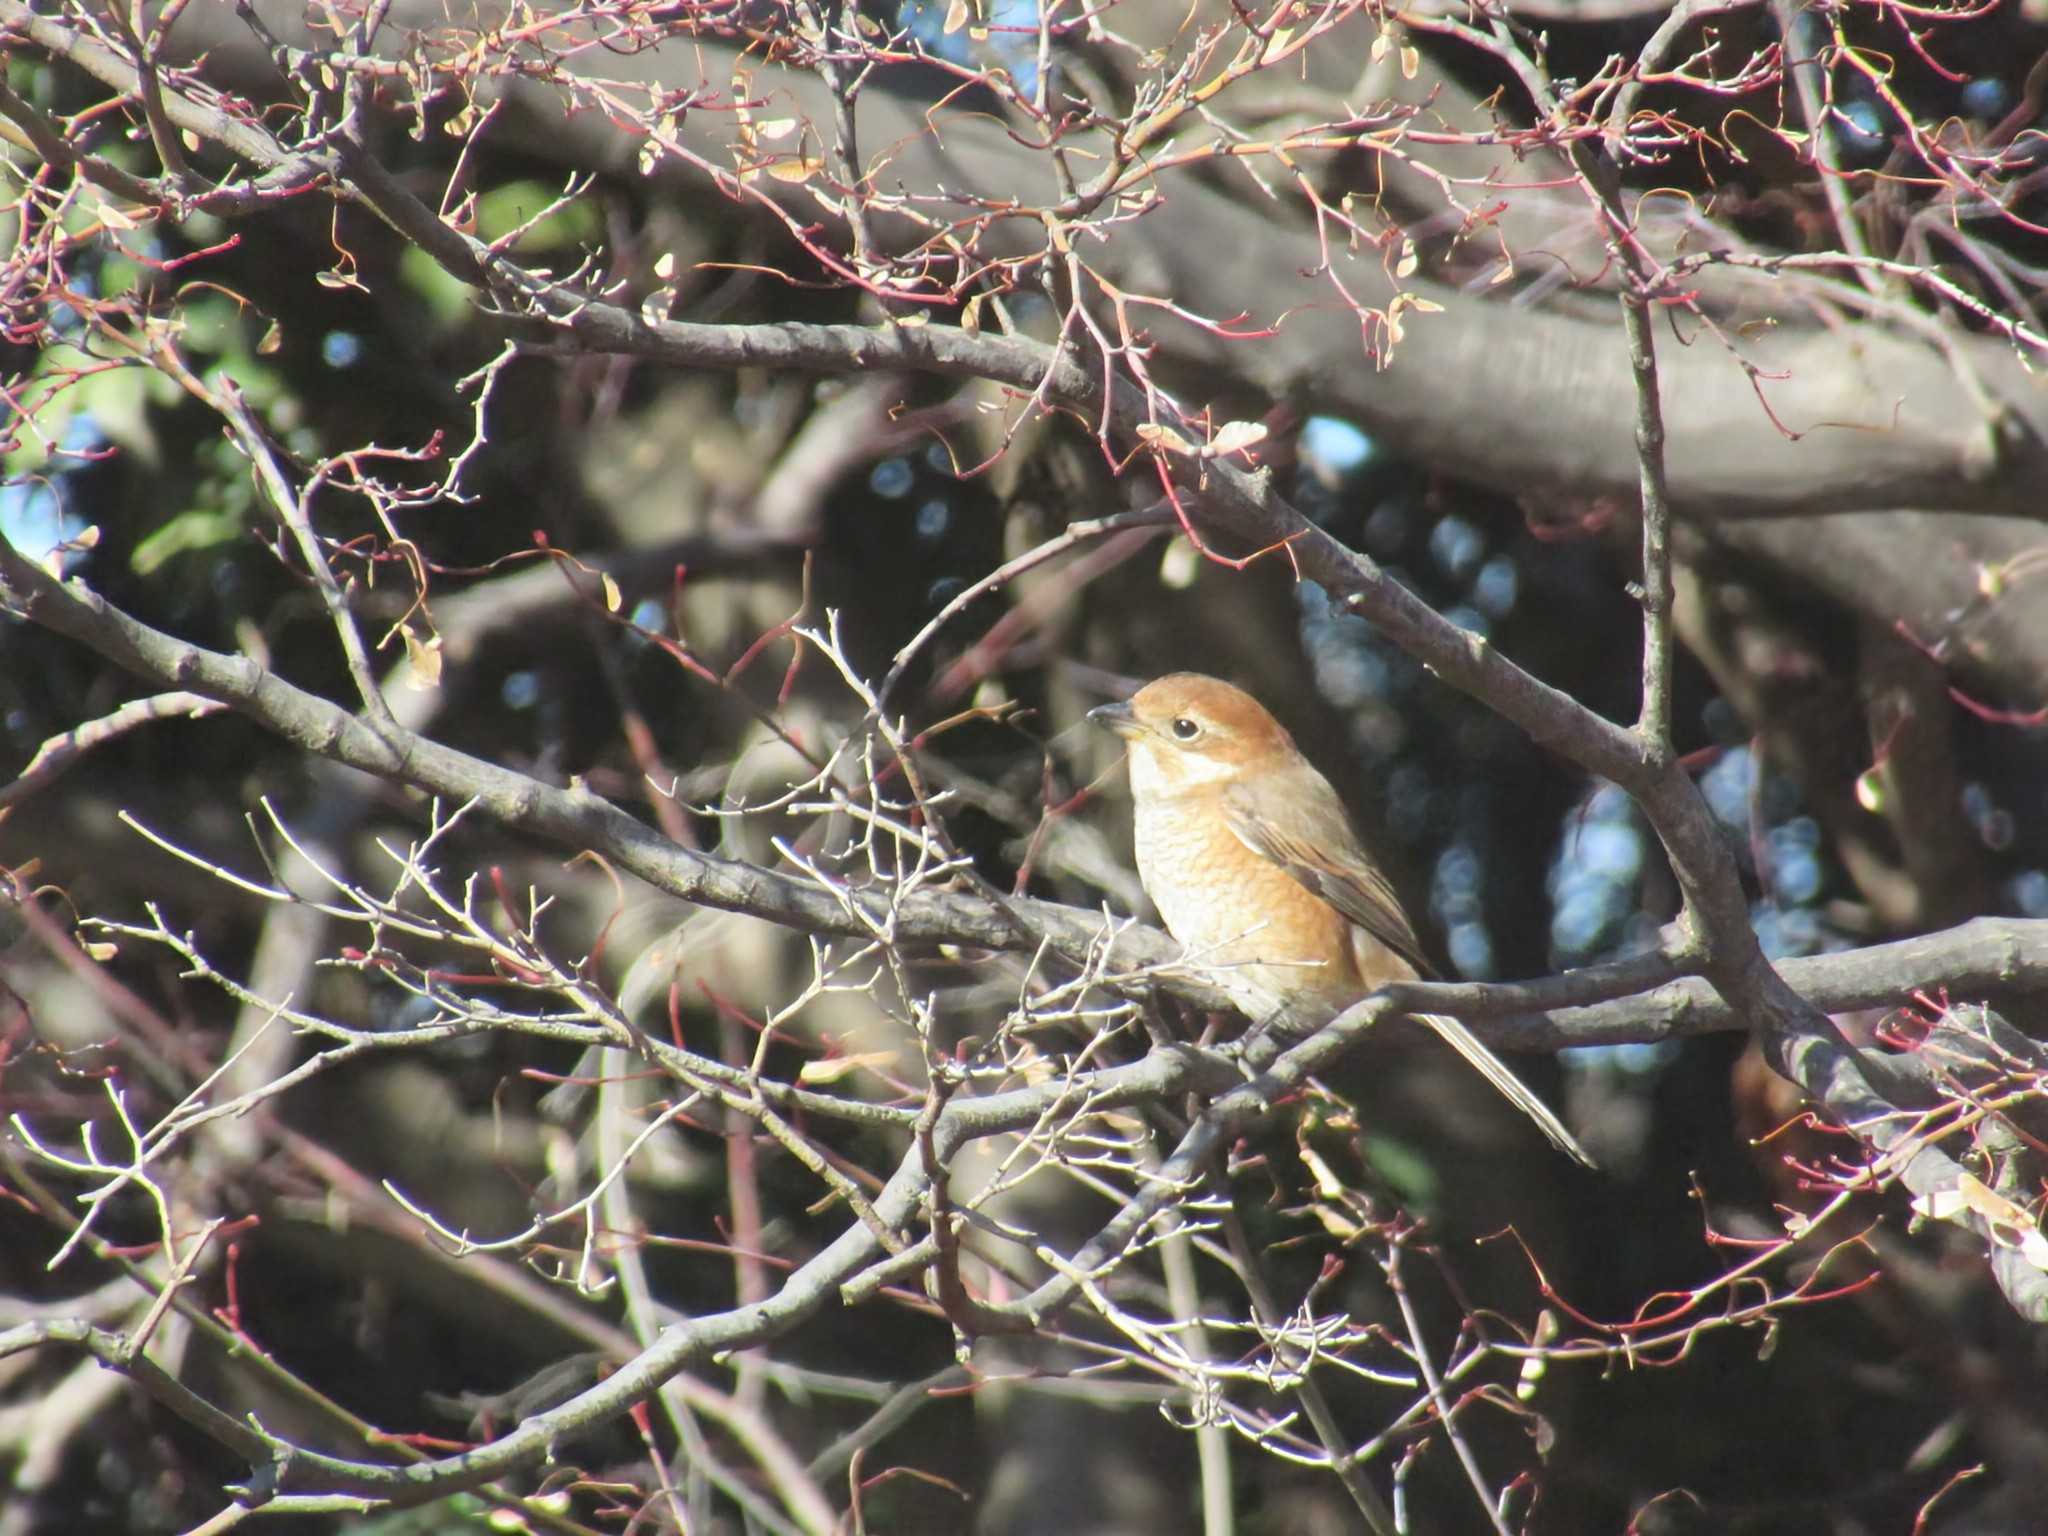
[1237,436]
[796,169]
[1942,1204]
[1154,435]
[2011,1225]
[1338,1225]
[1328,1185]
[423,659]
[831,1069]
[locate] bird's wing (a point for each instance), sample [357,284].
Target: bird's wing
[1308,837]
[1301,827]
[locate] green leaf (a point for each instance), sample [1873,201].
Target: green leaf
[200,528]
[118,402]
[504,209]
[113,399]
[212,324]
[448,299]
[1407,1169]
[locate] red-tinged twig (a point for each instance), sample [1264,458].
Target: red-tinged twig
[1956,1480]
[2022,718]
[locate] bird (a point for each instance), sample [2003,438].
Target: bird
[1246,850]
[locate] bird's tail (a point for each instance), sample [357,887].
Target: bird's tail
[1495,1071]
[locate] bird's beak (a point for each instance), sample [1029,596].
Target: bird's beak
[1115,717]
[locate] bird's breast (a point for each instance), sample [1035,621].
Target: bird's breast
[1268,936]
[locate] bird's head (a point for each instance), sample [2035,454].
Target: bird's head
[1186,729]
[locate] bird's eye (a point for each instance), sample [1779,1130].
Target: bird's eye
[1186,729]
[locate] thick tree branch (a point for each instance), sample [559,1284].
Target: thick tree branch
[1916,426]
[1517,397]
[1722,455]
[574,817]
[283,1469]
[1630,1001]
[1226,498]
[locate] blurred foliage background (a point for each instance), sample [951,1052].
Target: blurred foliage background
[723,502]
